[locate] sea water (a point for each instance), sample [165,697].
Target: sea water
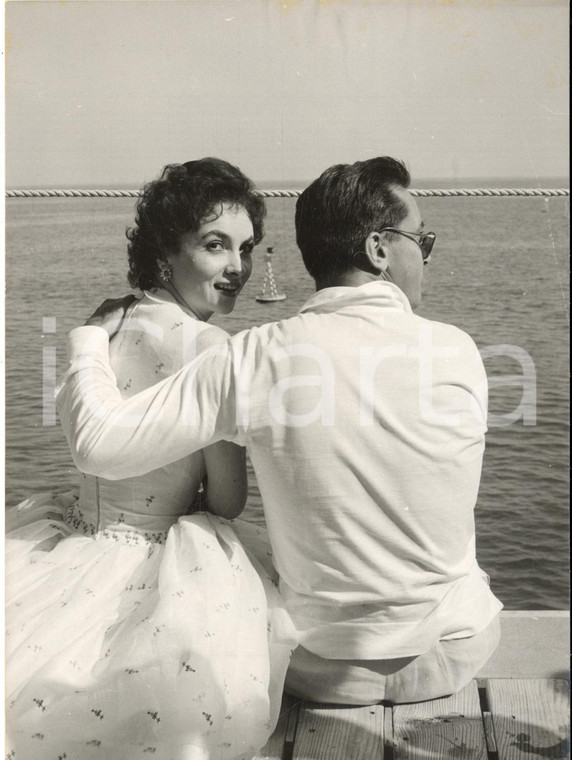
[499,271]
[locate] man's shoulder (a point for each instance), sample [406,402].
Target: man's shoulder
[264,340]
[278,331]
[301,324]
[445,331]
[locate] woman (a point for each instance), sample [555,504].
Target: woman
[135,631]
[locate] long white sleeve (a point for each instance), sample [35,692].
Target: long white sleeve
[116,438]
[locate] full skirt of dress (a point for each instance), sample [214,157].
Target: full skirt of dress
[121,646]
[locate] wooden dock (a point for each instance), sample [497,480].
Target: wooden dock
[515,709]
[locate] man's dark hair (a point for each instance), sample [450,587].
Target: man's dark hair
[178,202]
[336,213]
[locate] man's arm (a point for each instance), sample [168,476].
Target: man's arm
[116,438]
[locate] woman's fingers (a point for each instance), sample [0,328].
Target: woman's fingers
[111,313]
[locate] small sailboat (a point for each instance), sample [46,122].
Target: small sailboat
[269,288]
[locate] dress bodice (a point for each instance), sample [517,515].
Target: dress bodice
[156,338]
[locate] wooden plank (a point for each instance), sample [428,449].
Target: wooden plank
[490,736]
[388,734]
[277,746]
[442,728]
[329,732]
[530,717]
[534,644]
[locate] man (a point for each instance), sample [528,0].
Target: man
[365,425]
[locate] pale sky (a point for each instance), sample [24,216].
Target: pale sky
[107,92]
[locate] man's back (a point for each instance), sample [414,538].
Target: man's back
[365,425]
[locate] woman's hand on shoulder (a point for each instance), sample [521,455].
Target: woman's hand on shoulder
[111,313]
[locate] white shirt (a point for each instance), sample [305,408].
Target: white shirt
[365,425]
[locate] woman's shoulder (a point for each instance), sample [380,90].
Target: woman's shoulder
[155,307]
[170,331]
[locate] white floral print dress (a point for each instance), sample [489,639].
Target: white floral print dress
[134,630]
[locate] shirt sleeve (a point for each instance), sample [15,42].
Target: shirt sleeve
[119,438]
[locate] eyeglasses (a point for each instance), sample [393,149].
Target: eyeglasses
[425,242]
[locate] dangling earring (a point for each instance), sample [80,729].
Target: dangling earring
[165,271]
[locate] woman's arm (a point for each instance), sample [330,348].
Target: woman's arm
[226,485]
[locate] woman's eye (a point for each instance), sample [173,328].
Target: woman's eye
[247,250]
[215,245]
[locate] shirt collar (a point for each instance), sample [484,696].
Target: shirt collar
[379,293]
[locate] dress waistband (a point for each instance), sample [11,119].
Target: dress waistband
[123,527]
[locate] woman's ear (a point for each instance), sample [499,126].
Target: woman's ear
[377,252]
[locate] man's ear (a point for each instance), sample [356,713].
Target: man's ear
[377,252]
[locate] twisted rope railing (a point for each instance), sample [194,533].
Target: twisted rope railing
[438,193]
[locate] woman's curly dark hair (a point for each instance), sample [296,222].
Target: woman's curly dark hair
[178,202]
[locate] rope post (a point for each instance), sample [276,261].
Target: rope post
[269,288]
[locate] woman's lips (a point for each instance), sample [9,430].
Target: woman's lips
[229,289]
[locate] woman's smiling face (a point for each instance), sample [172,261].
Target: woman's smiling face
[213,263]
